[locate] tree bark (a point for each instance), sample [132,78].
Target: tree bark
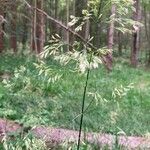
[25,33]
[13,36]
[54,13]
[135,35]
[99,26]
[33,26]
[72,37]
[120,43]
[109,57]
[38,28]
[67,33]
[111,28]
[1,31]
[87,29]
[147,32]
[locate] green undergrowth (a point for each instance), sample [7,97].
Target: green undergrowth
[29,99]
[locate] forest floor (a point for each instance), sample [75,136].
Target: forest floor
[27,97]
[58,138]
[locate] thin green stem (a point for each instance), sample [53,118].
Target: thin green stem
[83,105]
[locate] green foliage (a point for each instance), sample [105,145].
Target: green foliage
[121,91]
[23,142]
[82,59]
[49,75]
[99,10]
[2,92]
[48,91]
[109,106]
[84,146]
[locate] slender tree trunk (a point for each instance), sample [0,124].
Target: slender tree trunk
[111,29]
[68,14]
[126,41]
[72,37]
[87,29]
[25,32]
[109,57]
[38,28]
[99,26]
[147,34]
[87,26]
[33,27]
[135,35]
[54,28]
[120,43]
[148,41]
[13,37]
[1,31]
[46,31]
[2,25]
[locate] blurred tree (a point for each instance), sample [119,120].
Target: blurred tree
[38,26]
[146,14]
[135,35]
[1,31]
[109,57]
[13,26]
[2,20]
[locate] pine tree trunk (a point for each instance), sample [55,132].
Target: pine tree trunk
[71,36]
[111,29]
[120,43]
[99,26]
[68,15]
[1,31]
[135,35]
[13,37]
[54,28]
[87,29]
[33,27]
[40,27]
[109,57]
[25,33]
[147,33]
